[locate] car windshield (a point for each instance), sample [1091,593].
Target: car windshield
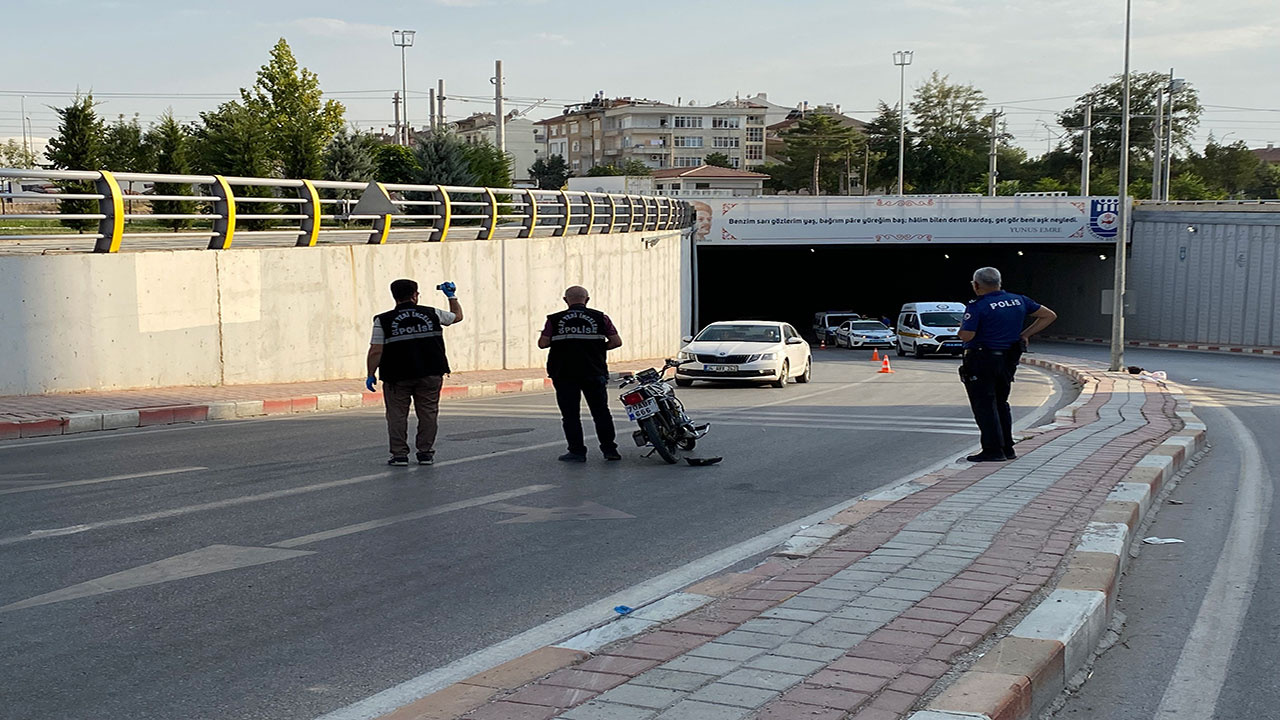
[740,333]
[836,320]
[940,319]
[868,325]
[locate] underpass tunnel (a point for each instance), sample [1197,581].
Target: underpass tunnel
[792,282]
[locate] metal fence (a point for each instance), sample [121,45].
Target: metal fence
[306,212]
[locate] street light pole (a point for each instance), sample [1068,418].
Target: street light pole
[1122,212]
[902,58]
[403,39]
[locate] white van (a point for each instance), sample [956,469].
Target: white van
[929,328]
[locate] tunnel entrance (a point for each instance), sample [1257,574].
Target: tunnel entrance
[792,282]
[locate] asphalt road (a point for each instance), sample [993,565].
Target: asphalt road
[1203,616]
[276,568]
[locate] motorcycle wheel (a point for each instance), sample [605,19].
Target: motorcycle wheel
[666,449]
[687,444]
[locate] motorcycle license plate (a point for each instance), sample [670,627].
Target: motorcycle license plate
[721,368]
[648,408]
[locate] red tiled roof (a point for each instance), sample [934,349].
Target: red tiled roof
[1269,155]
[707,171]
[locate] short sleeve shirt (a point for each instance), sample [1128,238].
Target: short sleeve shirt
[446,318]
[998,319]
[609,330]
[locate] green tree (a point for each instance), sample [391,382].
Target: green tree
[718,159]
[1107,101]
[604,171]
[351,157]
[442,160]
[232,140]
[489,166]
[550,173]
[77,145]
[395,164]
[14,155]
[634,167]
[300,122]
[1189,186]
[170,146]
[822,137]
[122,147]
[951,149]
[1048,184]
[882,139]
[1233,168]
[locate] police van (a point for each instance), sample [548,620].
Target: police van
[929,328]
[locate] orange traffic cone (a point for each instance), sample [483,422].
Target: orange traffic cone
[875,355]
[884,367]
[822,344]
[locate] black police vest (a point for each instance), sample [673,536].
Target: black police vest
[413,344]
[577,343]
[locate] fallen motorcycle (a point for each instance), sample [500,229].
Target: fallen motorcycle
[653,404]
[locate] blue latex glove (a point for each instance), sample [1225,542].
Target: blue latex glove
[371,383]
[449,289]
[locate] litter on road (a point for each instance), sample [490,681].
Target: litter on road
[1160,541]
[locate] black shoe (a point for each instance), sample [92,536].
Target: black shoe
[426,458]
[1010,454]
[611,455]
[399,461]
[572,457]
[986,457]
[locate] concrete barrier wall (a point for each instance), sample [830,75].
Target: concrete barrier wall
[94,322]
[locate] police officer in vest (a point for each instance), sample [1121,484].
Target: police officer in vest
[995,333]
[407,352]
[578,339]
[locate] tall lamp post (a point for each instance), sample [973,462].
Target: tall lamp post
[902,58]
[403,39]
[1122,212]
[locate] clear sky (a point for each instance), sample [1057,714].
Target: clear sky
[1030,57]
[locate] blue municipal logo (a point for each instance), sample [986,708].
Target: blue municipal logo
[1104,218]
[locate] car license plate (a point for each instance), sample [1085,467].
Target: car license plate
[952,344]
[721,368]
[648,408]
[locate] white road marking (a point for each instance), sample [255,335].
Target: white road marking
[765,424]
[415,515]
[1206,656]
[586,511]
[94,481]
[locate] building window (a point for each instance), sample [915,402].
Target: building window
[725,142]
[576,146]
[755,152]
[729,123]
[688,121]
[688,162]
[755,134]
[755,119]
[692,141]
[573,126]
[702,186]
[735,162]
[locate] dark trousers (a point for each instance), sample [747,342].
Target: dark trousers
[570,392]
[988,377]
[425,396]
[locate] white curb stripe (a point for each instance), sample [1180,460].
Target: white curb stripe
[1111,538]
[1075,618]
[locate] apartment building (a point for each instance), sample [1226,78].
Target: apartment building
[660,135]
[522,140]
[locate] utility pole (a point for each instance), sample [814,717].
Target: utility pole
[1086,150]
[902,59]
[991,158]
[395,100]
[499,114]
[816,157]
[848,172]
[26,139]
[1122,212]
[1157,131]
[866,165]
[1174,86]
[403,39]
[440,121]
[431,98]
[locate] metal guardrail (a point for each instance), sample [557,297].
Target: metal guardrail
[312,207]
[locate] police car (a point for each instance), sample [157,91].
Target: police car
[766,351]
[930,328]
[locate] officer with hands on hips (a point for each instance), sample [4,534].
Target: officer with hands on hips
[407,353]
[995,335]
[579,339]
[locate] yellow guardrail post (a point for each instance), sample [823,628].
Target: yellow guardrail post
[591,214]
[112,205]
[631,214]
[670,208]
[224,228]
[445,211]
[491,221]
[531,215]
[566,215]
[613,214]
[644,213]
[382,225]
[310,226]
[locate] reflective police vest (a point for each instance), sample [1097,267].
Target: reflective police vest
[413,344]
[577,343]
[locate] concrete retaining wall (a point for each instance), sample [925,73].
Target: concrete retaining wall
[97,322]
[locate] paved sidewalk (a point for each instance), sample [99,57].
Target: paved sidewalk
[865,626]
[64,413]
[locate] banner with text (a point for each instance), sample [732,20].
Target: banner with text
[905,220]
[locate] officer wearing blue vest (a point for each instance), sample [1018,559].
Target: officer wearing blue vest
[407,353]
[995,334]
[579,339]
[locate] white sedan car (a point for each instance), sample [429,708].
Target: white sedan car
[746,350]
[865,333]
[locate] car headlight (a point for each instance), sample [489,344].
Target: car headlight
[926,334]
[760,356]
[683,355]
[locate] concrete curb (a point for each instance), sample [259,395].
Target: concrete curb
[1204,347]
[76,423]
[1025,671]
